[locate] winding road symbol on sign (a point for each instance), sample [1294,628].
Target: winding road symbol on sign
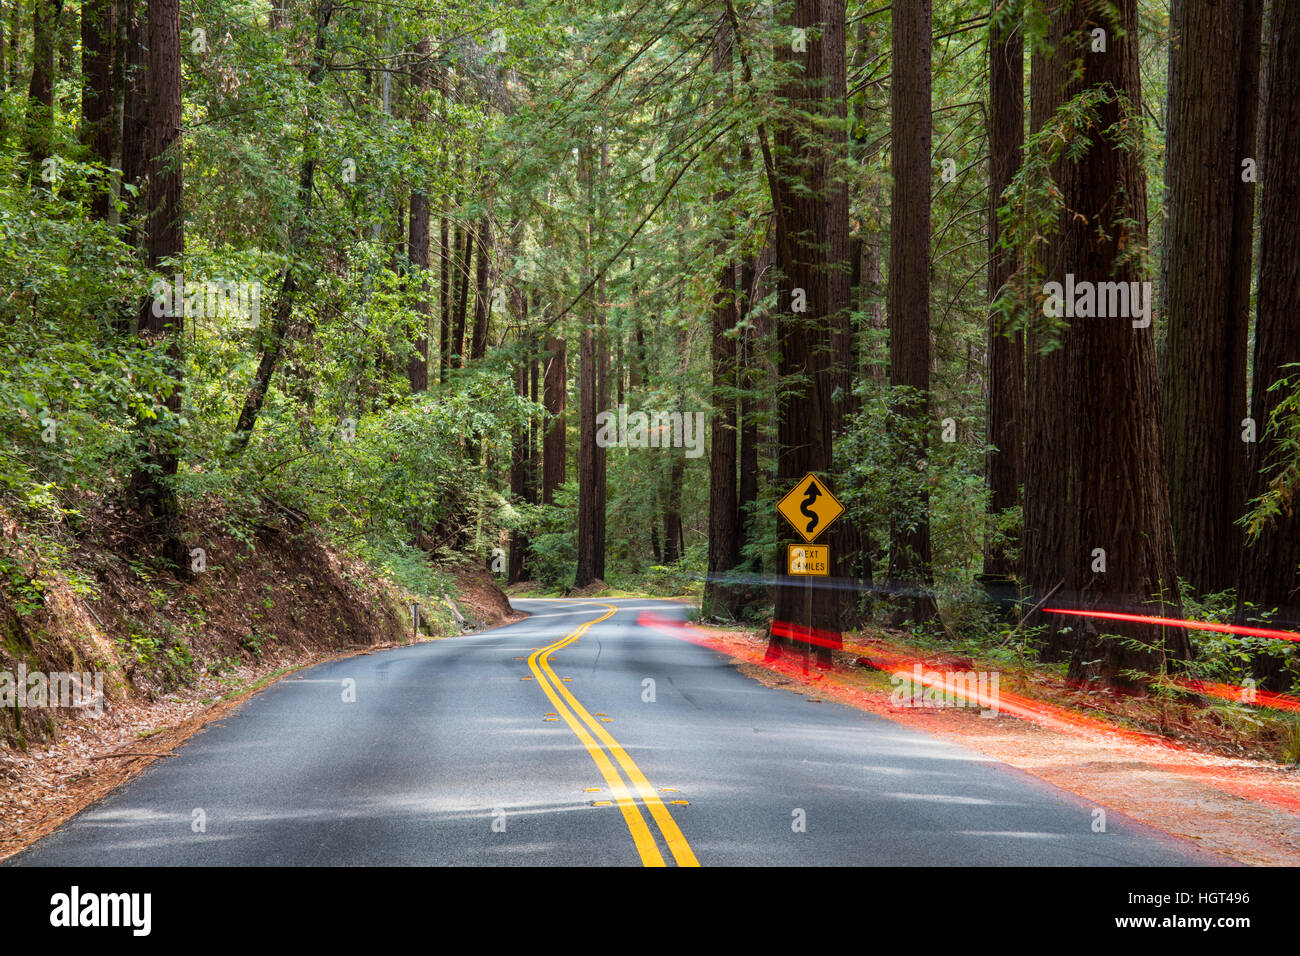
[810,507]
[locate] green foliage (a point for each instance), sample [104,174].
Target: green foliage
[1234,658]
[1284,478]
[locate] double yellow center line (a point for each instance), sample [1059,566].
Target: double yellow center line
[576,716]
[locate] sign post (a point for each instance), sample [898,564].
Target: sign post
[810,508]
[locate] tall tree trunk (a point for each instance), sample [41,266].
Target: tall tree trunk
[1270,563]
[602,366]
[131,105]
[39,119]
[909,304]
[720,598]
[1096,501]
[1213,104]
[673,538]
[520,458]
[482,294]
[803,211]
[418,364]
[848,564]
[591,543]
[98,42]
[165,245]
[755,403]
[444,301]
[15,43]
[1004,464]
[462,302]
[554,399]
[588,542]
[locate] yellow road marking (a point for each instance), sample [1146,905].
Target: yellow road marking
[677,845]
[641,836]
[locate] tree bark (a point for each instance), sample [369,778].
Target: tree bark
[482,294]
[588,542]
[909,304]
[462,302]
[15,41]
[849,564]
[1004,464]
[444,301]
[98,42]
[1095,491]
[554,399]
[1213,103]
[747,371]
[1269,567]
[39,120]
[720,598]
[165,245]
[131,35]
[805,208]
[520,462]
[591,542]
[418,238]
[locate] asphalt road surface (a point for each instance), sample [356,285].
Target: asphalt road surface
[578,737]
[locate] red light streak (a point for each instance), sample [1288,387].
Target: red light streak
[1164,754]
[1179,622]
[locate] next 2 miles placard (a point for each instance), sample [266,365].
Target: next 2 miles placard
[808,559]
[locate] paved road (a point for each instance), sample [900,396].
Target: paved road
[447,756]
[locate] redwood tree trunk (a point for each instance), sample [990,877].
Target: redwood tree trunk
[803,212]
[132,35]
[1094,486]
[848,563]
[1006,350]
[588,541]
[482,300]
[462,303]
[165,244]
[720,598]
[444,302]
[40,92]
[1213,104]
[909,303]
[1269,567]
[98,36]
[591,472]
[418,247]
[520,462]
[554,399]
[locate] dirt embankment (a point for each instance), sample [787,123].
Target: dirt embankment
[174,652]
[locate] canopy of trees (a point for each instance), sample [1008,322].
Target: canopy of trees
[592,285]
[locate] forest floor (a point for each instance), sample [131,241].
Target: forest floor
[1207,790]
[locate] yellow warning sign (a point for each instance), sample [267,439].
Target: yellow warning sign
[808,559]
[810,507]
